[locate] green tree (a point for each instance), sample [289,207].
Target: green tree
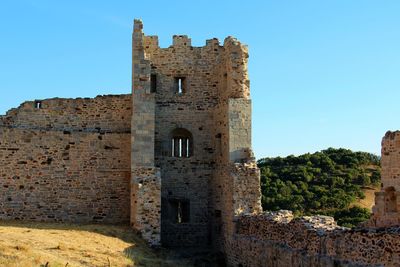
[325,181]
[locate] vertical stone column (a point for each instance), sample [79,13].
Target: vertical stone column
[244,172]
[146,178]
[237,171]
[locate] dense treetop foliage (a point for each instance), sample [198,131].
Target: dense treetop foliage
[325,182]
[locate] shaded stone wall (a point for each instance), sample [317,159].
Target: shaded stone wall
[66,167]
[276,239]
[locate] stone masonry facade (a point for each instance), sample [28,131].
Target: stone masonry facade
[66,160]
[174,159]
[191,124]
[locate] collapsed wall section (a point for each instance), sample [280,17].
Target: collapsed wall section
[276,239]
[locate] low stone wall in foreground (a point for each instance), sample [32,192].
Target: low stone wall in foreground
[278,239]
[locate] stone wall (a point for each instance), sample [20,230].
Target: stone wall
[276,239]
[109,113]
[146,203]
[57,166]
[386,211]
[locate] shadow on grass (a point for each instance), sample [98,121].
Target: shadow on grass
[139,252]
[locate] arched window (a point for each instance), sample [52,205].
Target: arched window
[181,143]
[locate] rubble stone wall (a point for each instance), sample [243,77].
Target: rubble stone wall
[146,178]
[276,239]
[386,211]
[146,203]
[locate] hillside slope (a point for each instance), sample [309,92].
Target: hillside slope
[326,182]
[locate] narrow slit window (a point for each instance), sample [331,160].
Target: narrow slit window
[179,211]
[187,147]
[153,83]
[180,85]
[173,147]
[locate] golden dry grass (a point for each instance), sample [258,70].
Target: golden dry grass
[369,200]
[38,244]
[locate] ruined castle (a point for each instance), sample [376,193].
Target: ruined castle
[174,160]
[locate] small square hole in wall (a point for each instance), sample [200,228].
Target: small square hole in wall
[180,85]
[38,104]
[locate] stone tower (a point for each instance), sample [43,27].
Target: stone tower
[386,211]
[192,164]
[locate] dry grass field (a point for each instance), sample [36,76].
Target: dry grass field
[56,245]
[369,200]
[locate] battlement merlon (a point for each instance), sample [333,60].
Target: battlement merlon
[181,41]
[237,54]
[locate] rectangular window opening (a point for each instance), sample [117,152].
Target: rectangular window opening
[181,147]
[179,210]
[38,104]
[153,83]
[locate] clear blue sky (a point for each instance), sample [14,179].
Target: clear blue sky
[323,73]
